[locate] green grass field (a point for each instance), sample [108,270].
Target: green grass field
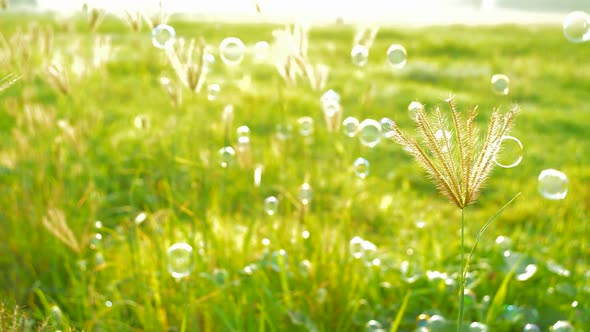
[70,159]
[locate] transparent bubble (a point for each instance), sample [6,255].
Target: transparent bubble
[304,267]
[141,122]
[163,35]
[369,132]
[271,205]
[213,91]
[361,168]
[305,193]
[503,243]
[108,304]
[363,312]
[562,326]
[478,327]
[261,51]
[552,184]
[98,224]
[510,154]
[397,56]
[356,247]
[208,60]
[436,323]
[243,131]
[576,27]
[305,125]
[359,55]
[284,131]
[226,156]
[445,139]
[279,260]
[180,260]
[387,127]
[531,328]
[331,107]
[500,84]
[350,126]
[231,51]
[373,326]
[330,95]
[220,276]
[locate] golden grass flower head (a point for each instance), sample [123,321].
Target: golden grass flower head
[450,150]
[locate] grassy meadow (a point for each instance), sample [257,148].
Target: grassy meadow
[90,133]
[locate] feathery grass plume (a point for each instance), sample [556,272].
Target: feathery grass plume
[55,223]
[291,60]
[188,61]
[4,4]
[95,16]
[452,154]
[366,36]
[155,14]
[7,81]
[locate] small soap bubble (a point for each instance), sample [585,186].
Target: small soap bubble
[261,51]
[141,122]
[231,51]
[243,131]
[422,320]
[356,247]
[108,304]
[470,298]
[528,273]
[369,132]
[413,108]
[208,60]
[363,312]
[552,184]
[576,27]
[359,55]
[265,242]
[361,168]
[305,193]
[500,84]
[180,260]
[284,131]
[478,327]
[305,234]
[226,156]
[98,224]
[331,107]
[271,205]
[213,91]
[321,295]
[503,243]
[305,125]
[373,326]
[562,326]
[350,126]
[436,323]
[279,260]
[397,56]
[510,154]
[531,328]
[163,35]
[330,95]
[387,127]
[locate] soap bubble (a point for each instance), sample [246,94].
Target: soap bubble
[553,184]
[242,132]
[226,156]
[576,27]
[510,154]
[500,84]
[330,95]
[531,328]
[350,126]
[436,323]
[163,35]
[413,108]
[397,56]
[369,132]
[478,327]
[180,260]
[422,320]
[261,51]
[444,138]
[271,205]
[231,51]
[373,326]
[562,326]
[387,127]
[305,125]
[359,55]
[362,313]
[361,168]
[305,193]
[213,91]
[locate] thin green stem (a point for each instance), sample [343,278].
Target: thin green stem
[462,276]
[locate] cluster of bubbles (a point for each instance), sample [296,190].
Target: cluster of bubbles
[396,55]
